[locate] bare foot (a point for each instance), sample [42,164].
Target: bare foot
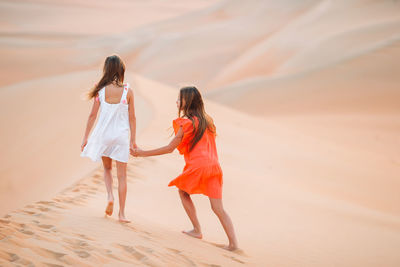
[193,233]
[231,248]
[110,207]
[123,219]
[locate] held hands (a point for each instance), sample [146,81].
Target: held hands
[135,150]
[133,145]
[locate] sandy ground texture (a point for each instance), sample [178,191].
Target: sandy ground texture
[305,96]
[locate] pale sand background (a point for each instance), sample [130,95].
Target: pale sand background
[305,96]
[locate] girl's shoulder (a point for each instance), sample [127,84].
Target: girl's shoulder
[183,122]
[127,87]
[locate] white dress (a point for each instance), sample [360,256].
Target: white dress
[111,136]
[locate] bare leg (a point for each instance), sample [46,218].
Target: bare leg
[107,164]
[217,207]
[191,212]
[122,189]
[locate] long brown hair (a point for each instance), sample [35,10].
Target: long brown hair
[192,105]
[113,71]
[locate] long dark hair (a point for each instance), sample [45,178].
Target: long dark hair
[191,105]
[113,71]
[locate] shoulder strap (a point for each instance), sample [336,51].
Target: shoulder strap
[102,94]
[124,93]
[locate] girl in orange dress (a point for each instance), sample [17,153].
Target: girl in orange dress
[195,139]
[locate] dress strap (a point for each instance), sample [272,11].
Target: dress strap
[123,97]
[102,94]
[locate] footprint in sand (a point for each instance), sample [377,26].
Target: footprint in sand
[28,212]
[96,181]
[131,251]
[26,232]
[48,253]
[2,221]
[82,254]
[234,259]
[130,227]
[145,249]
[14,258]
[139,256]
[50,203]
[77,244]
[59,256]
[7,256]
[44,209]
[186,259]
[84,237]
[52,265]
[53,204]
[46,226]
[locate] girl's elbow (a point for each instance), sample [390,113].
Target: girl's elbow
[171,149]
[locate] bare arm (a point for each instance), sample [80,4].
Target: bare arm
[162,150]
[132,118]
[90,121]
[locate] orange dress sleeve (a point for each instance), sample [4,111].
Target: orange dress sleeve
[187,128]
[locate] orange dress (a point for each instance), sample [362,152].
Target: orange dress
[202,173]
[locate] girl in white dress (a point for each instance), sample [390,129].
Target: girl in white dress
[115,131]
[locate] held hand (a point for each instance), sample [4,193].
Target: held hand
[84,142]
[133,145]
[137,152]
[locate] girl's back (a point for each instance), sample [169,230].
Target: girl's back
[113,93]
[204,152]
[110,137]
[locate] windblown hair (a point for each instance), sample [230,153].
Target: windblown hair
[113,71]
[191,106]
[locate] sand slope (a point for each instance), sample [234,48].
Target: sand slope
[305,98]
[70,230]
[303,215]
[43,132]
[295,198]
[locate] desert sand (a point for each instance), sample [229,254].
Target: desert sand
[305,96]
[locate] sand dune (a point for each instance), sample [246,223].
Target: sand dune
[367,84]
[66,231]
[297,219]
[327,189]
[263,38]
[43,32]
[305,98]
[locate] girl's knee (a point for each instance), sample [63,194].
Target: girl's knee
[217,208]
[218,211]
